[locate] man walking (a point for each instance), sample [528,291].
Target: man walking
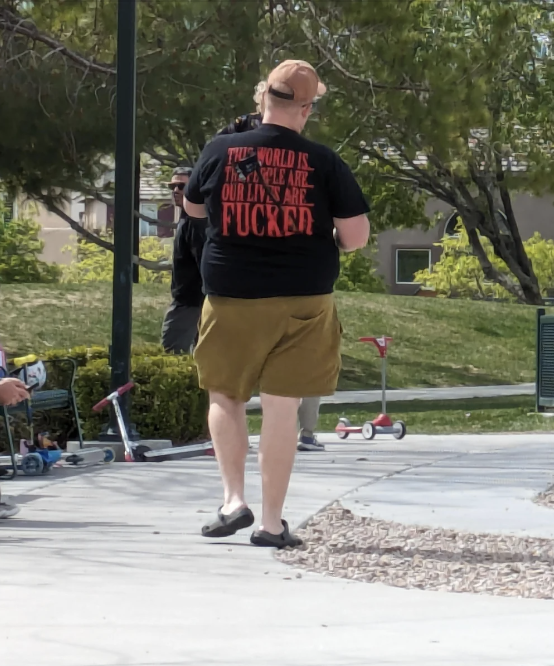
[277,206]
[180,326]
[308,412]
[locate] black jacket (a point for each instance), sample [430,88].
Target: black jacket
[186,281]
[243,124]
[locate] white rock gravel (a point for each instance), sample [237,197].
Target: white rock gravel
[546,498]
[339,543]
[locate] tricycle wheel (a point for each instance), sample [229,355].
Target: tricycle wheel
[399,429]
[32,464]
[368,430]
[343,434]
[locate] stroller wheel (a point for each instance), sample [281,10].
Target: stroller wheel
[32,464]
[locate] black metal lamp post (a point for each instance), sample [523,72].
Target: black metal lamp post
[124,220]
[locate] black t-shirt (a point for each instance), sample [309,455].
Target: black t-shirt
[271,196]
[186,281]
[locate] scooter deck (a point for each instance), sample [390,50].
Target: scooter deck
[178,452]
[85,457]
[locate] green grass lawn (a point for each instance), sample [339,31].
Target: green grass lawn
[444,417]
[436,342]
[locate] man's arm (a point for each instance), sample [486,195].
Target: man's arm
[352,233]
[194,196]
[195,210]
[348,207]
[194,233]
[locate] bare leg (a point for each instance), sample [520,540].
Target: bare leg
[276,457]
[227,421]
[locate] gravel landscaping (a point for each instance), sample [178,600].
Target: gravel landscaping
[339,543]
[546,498]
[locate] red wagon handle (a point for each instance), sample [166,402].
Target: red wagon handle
[106,401]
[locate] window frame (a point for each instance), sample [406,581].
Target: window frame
[411,249]
[145,207]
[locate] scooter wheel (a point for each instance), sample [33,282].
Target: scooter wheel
[109,454]
[399,430]
[139,452]
[368,430]
[32,464]
[343,434]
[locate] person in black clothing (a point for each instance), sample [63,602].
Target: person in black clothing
[245,123]
[180,326]
[248,121]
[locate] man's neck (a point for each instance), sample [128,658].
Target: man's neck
[282,119]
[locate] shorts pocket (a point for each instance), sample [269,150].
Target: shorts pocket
[306,332]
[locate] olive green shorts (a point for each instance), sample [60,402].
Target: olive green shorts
[286,346]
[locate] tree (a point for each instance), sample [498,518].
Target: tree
[20,248]
[198,63]
[357,273]
[93,263]
[459,274]
[57,82]
[449,99]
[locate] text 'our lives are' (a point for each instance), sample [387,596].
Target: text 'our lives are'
[273,201]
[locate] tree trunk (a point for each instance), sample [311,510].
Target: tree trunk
[525,290]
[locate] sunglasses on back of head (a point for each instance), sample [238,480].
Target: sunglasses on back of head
[178,186]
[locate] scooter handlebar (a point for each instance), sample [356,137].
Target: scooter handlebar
[106,401]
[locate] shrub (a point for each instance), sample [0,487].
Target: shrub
[166,401]
[458,273]
[357,273]
[20,249]
[93,263]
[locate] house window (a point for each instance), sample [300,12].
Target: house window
[409,262]
[454,220]
[451,224]
[151,210]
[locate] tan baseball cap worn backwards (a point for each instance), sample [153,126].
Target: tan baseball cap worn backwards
[300,78]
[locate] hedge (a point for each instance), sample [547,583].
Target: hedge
[166,401]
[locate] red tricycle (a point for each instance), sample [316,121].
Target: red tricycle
[382,425]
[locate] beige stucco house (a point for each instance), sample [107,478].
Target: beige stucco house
[402,252]
[155,202]
[399,253]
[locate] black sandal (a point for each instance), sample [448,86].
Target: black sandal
[226,526]
[284,540]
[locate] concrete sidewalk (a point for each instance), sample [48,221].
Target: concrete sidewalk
[106,568]
[400,395]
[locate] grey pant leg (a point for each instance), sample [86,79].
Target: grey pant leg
[308,415]
[180,328]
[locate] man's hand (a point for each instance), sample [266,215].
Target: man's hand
[12,391]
